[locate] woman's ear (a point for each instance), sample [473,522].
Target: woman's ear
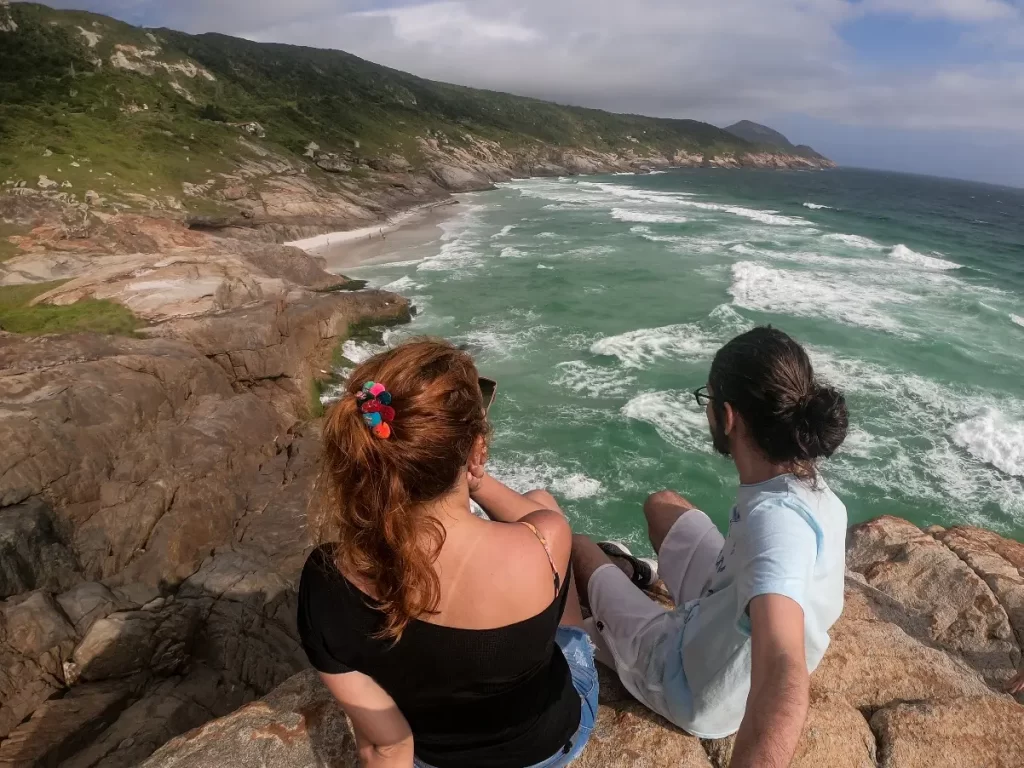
[478,454]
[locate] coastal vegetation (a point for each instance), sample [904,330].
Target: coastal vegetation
[92,103]
[18,315]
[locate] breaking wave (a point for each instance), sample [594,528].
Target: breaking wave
[902,253]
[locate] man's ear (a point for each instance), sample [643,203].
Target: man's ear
[730,419]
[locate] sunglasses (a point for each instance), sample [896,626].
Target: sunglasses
[702,396]
[489,390]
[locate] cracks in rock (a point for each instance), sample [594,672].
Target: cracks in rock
[715,756]
[1018,635]
[868,713]
[144,547]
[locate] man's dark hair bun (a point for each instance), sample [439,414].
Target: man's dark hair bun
[823,422]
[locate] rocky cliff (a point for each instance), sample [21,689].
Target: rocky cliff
[153,488]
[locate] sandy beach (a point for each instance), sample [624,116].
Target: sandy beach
[402,238]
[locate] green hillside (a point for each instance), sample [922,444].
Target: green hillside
[764,136]
[98,104]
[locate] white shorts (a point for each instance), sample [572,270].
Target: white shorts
[627,626]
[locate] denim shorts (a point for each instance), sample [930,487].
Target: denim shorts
[579,653]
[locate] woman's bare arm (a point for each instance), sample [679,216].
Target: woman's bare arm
[499,501]
[382,733]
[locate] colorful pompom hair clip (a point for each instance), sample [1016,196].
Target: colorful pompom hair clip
[375,405]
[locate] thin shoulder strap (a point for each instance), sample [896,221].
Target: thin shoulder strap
[547,551]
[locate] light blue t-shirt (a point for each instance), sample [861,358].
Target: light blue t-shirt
[786,537]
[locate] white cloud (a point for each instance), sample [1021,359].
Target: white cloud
[681,58]
[953,10]
[705,59]
[434,22]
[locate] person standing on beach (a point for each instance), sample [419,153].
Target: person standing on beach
[753,608]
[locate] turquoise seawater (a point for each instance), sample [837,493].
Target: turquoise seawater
[598,303]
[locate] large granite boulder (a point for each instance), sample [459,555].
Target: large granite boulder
[35,641]
[458,179]
[298,725]
[152,516]
[143,446]
[951,605]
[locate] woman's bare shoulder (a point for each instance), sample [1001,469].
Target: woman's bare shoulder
[508,579]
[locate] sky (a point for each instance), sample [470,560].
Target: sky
[925,86]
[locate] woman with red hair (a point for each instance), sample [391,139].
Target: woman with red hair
[450,641]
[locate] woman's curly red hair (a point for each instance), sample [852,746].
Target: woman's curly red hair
[372,491]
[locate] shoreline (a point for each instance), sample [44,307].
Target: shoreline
[315,246]
[402,240]
[361,241]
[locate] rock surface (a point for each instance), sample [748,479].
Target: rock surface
[153,491]
[957,610]
[985,732]
[32,554]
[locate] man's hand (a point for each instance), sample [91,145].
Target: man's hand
[779,685]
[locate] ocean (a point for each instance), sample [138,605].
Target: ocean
[599,302]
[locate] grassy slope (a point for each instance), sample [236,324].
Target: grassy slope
[52,97]
[90,315]
[59,93]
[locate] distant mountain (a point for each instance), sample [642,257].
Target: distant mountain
[762,135]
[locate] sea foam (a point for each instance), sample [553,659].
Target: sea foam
[401,285]
[815,294]
[622,214]
[993,438]
[523,473]
[854,241]
[675,416]
[592,380]
[953,446]
[686,341]
[460,244]
[648,234]
[773,218]
[360,351]
[902,253]
[1018,320]
[816,207]
[504,337]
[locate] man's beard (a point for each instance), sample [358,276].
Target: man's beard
[719,439]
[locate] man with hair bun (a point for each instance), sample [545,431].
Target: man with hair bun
[753,607]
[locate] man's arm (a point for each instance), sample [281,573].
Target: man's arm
[382,733]
[779,685]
